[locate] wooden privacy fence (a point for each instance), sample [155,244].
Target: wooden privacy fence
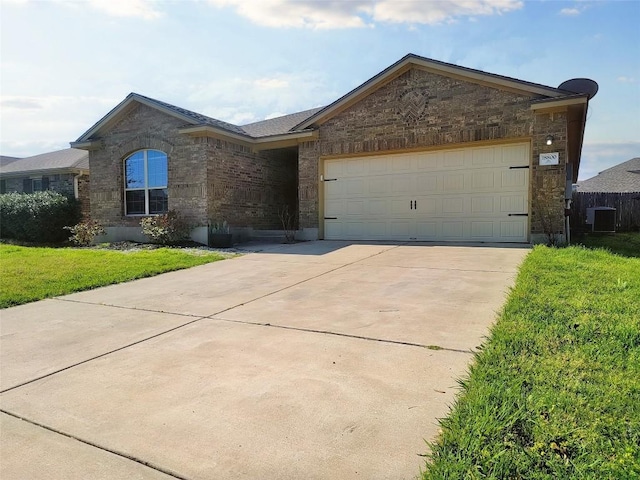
[627,207]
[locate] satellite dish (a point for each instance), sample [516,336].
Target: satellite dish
[580,85]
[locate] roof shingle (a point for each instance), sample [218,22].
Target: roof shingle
[621,178]
[61,159]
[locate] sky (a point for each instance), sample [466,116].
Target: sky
[64,64]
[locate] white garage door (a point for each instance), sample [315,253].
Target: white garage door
[471,194]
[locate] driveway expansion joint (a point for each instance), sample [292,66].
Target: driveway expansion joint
[95,357]
[95,445]
[346,335]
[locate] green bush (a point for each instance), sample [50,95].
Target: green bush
[84,233]
[166,229]
[37,217]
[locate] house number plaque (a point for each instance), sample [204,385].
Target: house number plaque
[549,158]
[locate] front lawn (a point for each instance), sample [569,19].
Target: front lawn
[555,391]
[34,273]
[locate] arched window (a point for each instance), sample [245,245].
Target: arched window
[145,187]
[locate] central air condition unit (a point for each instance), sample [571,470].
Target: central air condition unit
[602,219]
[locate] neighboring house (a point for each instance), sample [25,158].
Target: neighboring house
[64,171]
[621,178]
[425,150]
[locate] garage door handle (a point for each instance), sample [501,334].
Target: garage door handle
[518,214]
[521,166]
[330,218]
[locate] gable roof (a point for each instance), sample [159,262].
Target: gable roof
[621,178]
[197,122]
[6,160]
[408,61]
[60,160]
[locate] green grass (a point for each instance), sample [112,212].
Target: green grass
[627,244]
[33,273]
[555,391]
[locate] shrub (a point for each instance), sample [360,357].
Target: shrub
[166,229]
[37,217]
[85,232]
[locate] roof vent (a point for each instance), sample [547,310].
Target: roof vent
[580,85]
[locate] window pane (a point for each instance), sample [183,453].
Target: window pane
[37,185]
[157,168]
[134,170]
[135,202]
[158,201]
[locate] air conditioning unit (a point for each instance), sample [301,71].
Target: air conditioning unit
[602,219]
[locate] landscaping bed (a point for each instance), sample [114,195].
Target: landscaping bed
[555,391]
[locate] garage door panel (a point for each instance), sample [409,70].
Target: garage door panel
[482,230]
[453,205]
[334,208]
[357,167]
[427,206]
[378,208]
[513,204]
[515,155]
[354,187]
[426,183]
[452,195]
[483,156]
[400,207]
[377,230]
[400,229]
[429,161]
[426,230]
[402,184]
[514,178]
[512,229]
[453,230]
[378,165]
[356,207]
[482,205]
[453,158]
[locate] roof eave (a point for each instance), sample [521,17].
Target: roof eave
[551,104]
[44,171]
[88,145]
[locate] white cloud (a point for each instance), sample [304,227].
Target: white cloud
[145,9]
[571,12]
[241,100]
[624,79]
[416,11]
[271,83]
[128,8]
[53,121]
[335,14]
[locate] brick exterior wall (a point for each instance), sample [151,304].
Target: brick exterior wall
[84,196]
[423,109]
[208,179]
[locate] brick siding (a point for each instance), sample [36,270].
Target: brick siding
[423,109]
[208,179]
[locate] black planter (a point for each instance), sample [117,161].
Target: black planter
[220,240]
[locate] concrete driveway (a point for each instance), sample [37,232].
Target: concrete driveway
[320,360]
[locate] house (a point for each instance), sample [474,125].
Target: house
[621,178]
[424,150]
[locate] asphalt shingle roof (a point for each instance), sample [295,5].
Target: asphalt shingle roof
[6,160]
[278,125]
[621,178]
[60,159]
[197,117]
